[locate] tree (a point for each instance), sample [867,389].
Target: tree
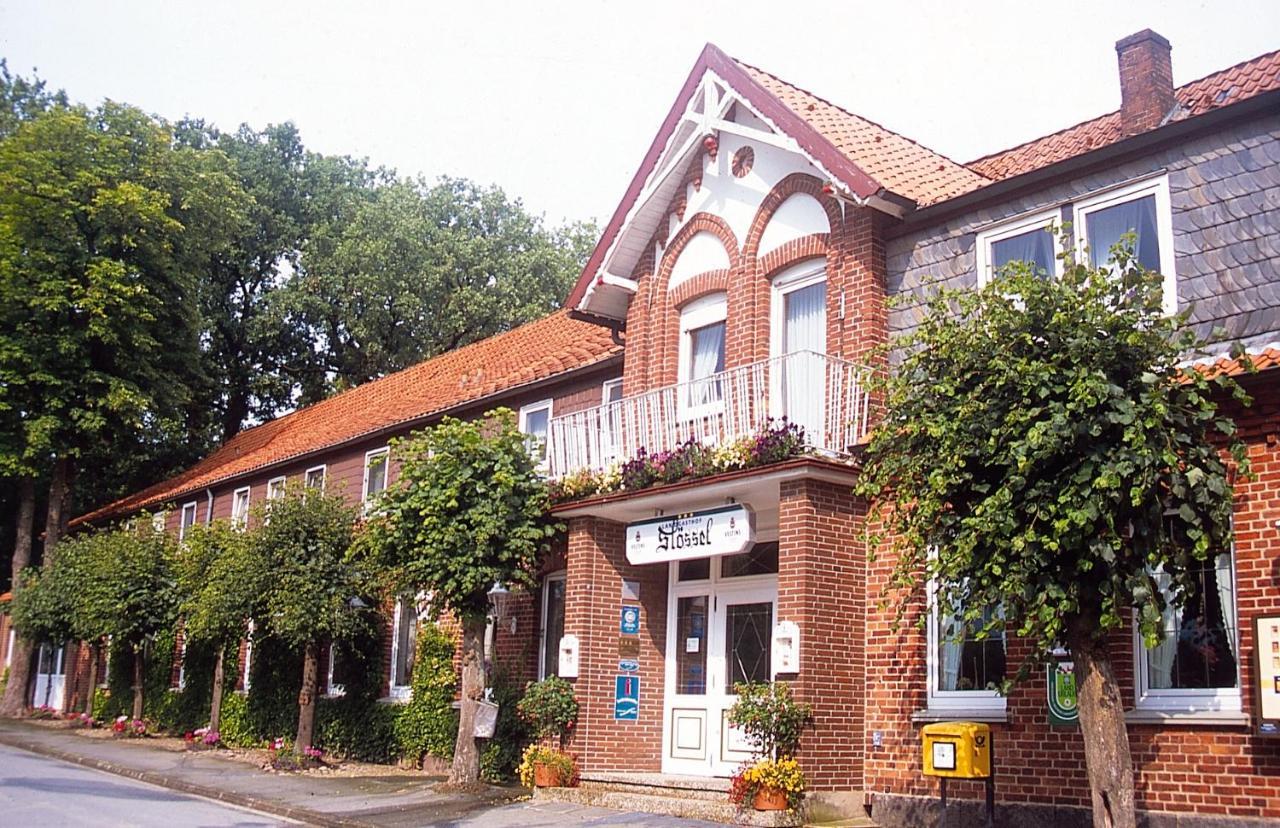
[102,220]
[219,574]
[417,269]
[1045,452]
[468,511]
[22,99]
[310,584]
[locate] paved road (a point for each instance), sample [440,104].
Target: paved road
[35,791]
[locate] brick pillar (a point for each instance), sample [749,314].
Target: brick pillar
[596,568]
[821,577]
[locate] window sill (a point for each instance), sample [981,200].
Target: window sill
[396,699]
[972,714]
[1194,718]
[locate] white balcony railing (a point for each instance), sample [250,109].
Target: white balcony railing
[825,395]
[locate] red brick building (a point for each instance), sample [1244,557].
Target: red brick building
[746,275]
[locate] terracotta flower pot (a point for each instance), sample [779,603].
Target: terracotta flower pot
[545,776]
[770,799]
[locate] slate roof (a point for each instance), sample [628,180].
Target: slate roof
[899,164]
[539,350]
[1228,86]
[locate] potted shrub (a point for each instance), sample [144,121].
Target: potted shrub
[771,720]
[547,767]
[551,711]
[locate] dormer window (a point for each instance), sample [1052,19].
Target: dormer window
[702,340]
[1029,239]
[1140,208]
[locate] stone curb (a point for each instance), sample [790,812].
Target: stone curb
[267,806]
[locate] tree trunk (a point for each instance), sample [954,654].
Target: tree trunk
[466,754]
[307,697]
[1106,740]
[55,525]
[15,692]
[139,676]
[70,658]
[95,652]
[215,706]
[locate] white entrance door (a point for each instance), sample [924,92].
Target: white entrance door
[800,335]
[51,676]
[720,636]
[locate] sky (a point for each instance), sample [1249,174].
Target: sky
[557,102]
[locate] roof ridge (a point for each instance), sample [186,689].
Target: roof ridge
[1177,89]
[863,118]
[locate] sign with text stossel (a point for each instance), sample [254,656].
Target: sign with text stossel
[724,531]
[1266,654]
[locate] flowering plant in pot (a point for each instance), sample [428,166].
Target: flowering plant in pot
[771,720]
[769,785]
[549,708]
[547,767]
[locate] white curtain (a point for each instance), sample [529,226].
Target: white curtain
[1035,247]
[805,329]
[1227,598]
[1106,226]
[950,645]
[1160,658]
[707,346]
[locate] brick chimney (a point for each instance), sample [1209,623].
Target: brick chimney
[1146,81]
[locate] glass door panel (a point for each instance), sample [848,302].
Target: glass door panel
[691,646]
[804,335]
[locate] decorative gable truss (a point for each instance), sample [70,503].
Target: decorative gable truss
[718,99]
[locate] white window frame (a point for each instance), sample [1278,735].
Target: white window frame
[276,487]
[1189,700]
[183,525]
[607,386]
[1050,219]
[8,653]
[1156,186]
[158,520]
[700,313]
[958,704]
[384,452]
[400,692]
[332,690]
[240,500]
[531,408]
[324,474]
[563,577]
[796,277]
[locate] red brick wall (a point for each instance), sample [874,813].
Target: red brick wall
[821,569]
[854,256]
[596,568]
[1207,769]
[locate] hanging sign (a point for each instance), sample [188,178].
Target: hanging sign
[1266,653]
[1064,709]
[626,698]
[724,531]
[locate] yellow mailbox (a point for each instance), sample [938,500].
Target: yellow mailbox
[957,750]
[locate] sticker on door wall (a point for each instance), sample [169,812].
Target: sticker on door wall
[1063,705]
[626,698]
[628,665]
[630,624]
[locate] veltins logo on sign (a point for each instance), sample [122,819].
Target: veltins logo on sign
[723,531]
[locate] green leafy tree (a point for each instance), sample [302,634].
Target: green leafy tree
[1045,452]
[418,269]
[102,222]
[22,99]
[220,576]
[468,511]
[310,585]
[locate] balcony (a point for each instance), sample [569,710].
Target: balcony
[825,395]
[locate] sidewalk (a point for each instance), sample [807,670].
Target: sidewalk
[313,799]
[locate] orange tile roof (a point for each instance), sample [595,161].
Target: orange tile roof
[899,164]
[1265,359]
[1228,86]
[536,351]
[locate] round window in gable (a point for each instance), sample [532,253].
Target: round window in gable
[743,160]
